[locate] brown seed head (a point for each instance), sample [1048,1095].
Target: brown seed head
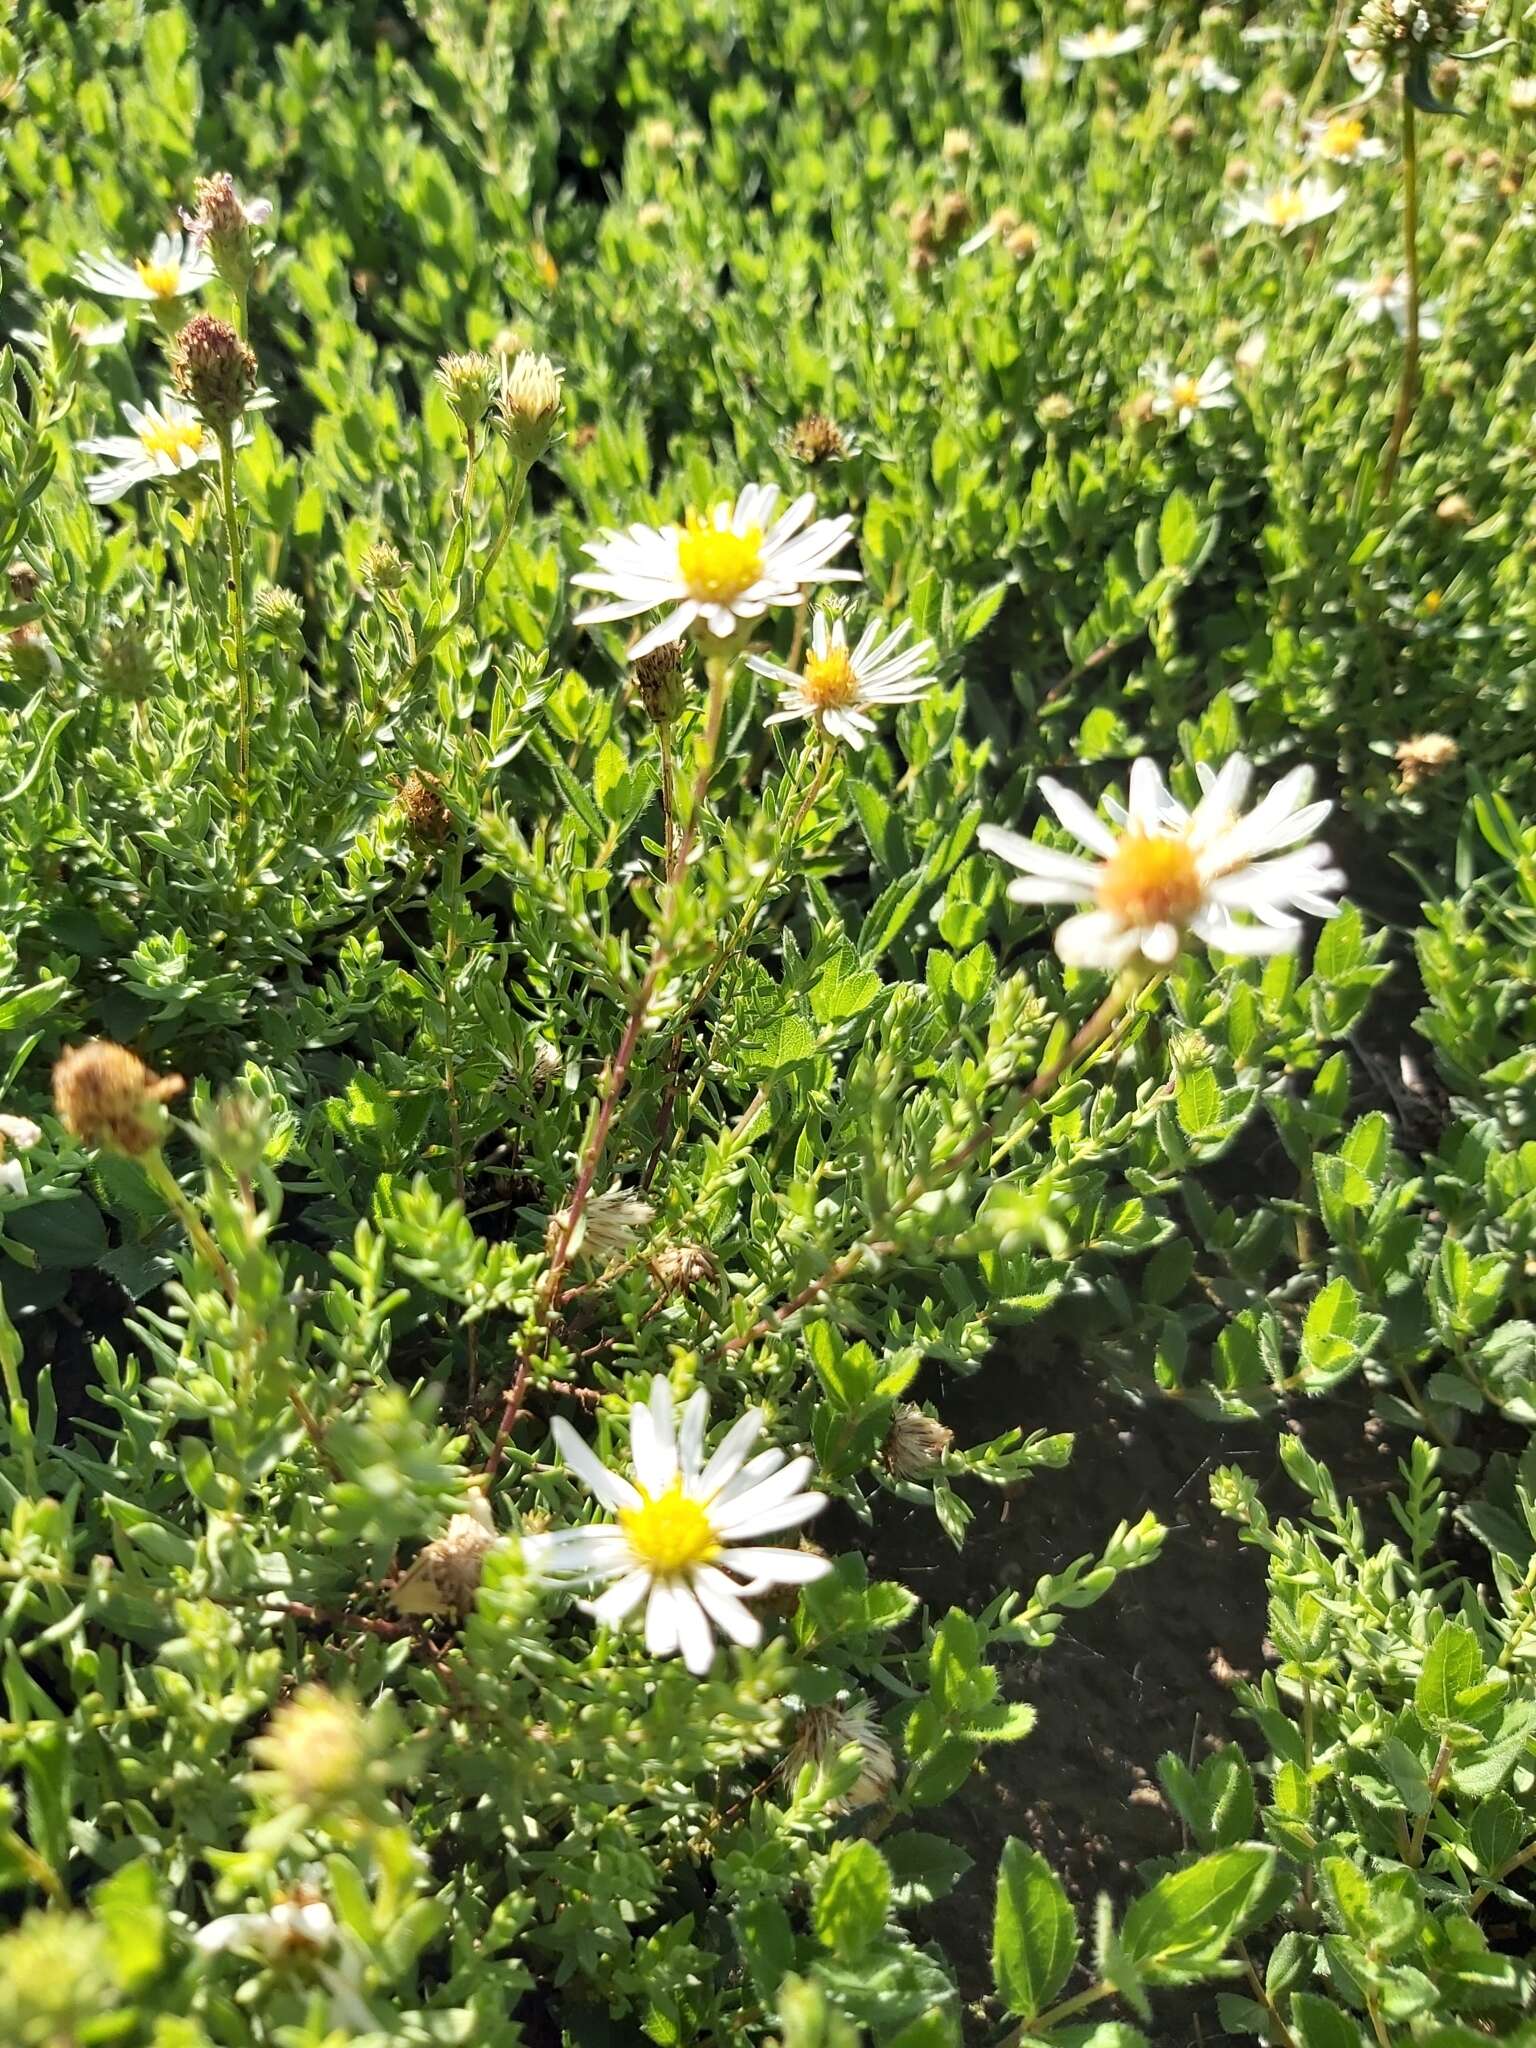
[24,580]
[1423,758]
[916,1443]
[106,1096]
[679,1268]
[661,681]
[420,803]
[213,370]
[816,438]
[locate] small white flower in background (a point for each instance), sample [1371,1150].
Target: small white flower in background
[1178,395]
[1210,77]
[1385,297]
[446,1574]
[298,1932]
[681,1526]
[167,439]
[1101,41]
[610,1223]
[173,269]
[720,567]
[1171,872]
[824,1733]
[1283,207]
[839,686]
[17,1134]
[86,334]
[1522,95]
[1343,140]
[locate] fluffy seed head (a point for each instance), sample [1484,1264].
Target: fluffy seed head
[23,579]
[213,370]
[825,1732]
[470,381]
[1421,759]
[916,1444]
[529,403]
[106,1096]
[446,1576]
[679,1268]
[1455,510]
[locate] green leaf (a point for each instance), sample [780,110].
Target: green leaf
[1178,530]
[1034,1932]
[1452,1664]
[1319,2023]
[1178,1932]
[853,1899]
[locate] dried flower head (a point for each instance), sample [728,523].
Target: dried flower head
[609,1224]
[213,370]
[1055,409]
[1023,243]
[661,681]
[1182,133]
[106,1096]
[816,438]
[446,1575]
[470,380]
[825,1732]
[957,145]
[224,224]
[1455,509]
[529,403]
[546,1065]
[917,1443]
[679,1268]
[420,803]
[1424,757]
[382,567]
[24,580]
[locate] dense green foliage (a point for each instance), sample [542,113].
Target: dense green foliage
[318,798]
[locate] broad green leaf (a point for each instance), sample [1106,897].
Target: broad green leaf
[1034,1932]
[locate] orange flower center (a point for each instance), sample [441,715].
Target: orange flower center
[1151,881]
[170,437]
[717,564]
[160,278]
[669,1533]
[829,681]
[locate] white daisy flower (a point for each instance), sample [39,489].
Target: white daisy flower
[17,1134]
[85,334]
[1170,872]
[1283,207]
[1211,77]
[839,688]
[722,567]
[301,1933]
[1385,297]
[173,269]
[1178,395]
[1101,41]
[684,1523]
[1343,140]
[609,1224]
[167,439]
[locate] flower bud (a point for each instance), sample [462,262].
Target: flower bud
[470,382]
[213,370]
[316,1752]
[530,403]
[917,1443]
[29,654]
[1182,133]
[381,567]
[224,224]
[279,612]
[106,1096]
[125,662]
[661,681]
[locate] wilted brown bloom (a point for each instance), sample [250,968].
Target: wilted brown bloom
[916,1444]
[24,580]
[446,1576]
[1421,759]
[661,681]
[825,1732]
[420,803]
[212,369]
[105,1095]
[679,1268]
[816,438]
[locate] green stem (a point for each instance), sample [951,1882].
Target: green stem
[1408,390]
[237,625]
[1028,2030]
[1421,1825]
[453,891]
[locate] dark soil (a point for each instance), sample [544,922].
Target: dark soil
[1148,1670]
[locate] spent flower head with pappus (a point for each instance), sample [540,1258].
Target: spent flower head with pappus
[105,1095]
[213,370]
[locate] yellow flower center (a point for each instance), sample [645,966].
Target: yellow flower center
[1342,137]
[829,681]
[1433,599]
[1151,881]
[1283,209]
[160,278]
[169,437]
[1186,391]
[716,564]
[669,1533]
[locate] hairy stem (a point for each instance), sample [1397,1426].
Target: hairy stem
[243,692]
[1408,389]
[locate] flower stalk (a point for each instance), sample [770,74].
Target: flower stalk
[1408,387]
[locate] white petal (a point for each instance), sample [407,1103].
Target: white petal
[1082,822]
[1036,859]
[1095,938]
[721,1601]
[661,1621]
[775,1567]
[771,1521]
[604,1485]
[730,1454]
[694,1633]
[766,1493]
[621,1598]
